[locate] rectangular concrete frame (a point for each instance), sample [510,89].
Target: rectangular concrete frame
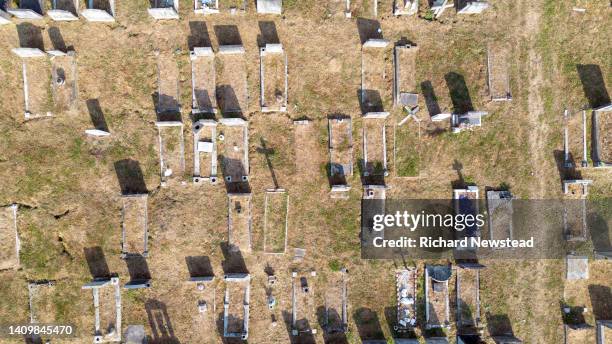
[273,51]
[404,84]
[99,15]
[467,121]
[95,286]
[236,235]
[26,54]
[340,190]
[383,154]
[160,13]
[472,194]
[378,193]
[242,101]
[168,80]
[446,300]
[406,279]
[499,215]
[295,304]
[9,259]
[598,145]
[266,212]
[368,45]
[439,6]
[64,66]
[199,127]
[462,323]
[245,280]
[474,7]
[169,173]
[329,304]
[199,9]
[27,13]
[405,7]
[32,296]
[604,331]
[129,211]
[203,75]
[569,220]
[498,74]
[239,122]
[62,13]
[269,6]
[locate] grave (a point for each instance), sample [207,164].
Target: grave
[437,313]
[99,11]
[466,202]
[575,209]
[171,151]
[577,267]
[340,155]
[273,78]
[235,150]
[468,298]
[374,82]
[437,7]
[471,6]
[232,88]
[498,74]
[406,289]
[336,303]
[37,92]
[206,6]
[64,10]
[236,315]
[604,331]
[374,164]
[202,289]
[276,221]
[405,7]
[5,18]
[10,244]
[404,81]
[168,78]
[135,233]
[27,9]
[239,221]
[579,334]
[64,79]
[205,151]
[135,334]
[303,304]
[269,6]
[42,309]
[602,136]
[500,213]
[467,121]
[203,86]
[164,9]
[107,309]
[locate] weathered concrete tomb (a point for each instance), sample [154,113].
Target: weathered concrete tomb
[205,151]
[340,155]
[164,9]
[64,10]
[206,6]
[10,244]
[171,151]
[273,78]
[107,309]
[99,11]
[134,224]
[203,81]
[437,305]
[236,314]
[239,221]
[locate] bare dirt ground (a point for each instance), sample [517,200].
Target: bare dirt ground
[498,70]
[68,185]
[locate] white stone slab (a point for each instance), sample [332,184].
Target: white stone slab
[24,13]
[96,15]
[163,13]
[28,52]
[61,15]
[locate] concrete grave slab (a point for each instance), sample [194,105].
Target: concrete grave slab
[107,309]
[5,18]
[437,305]
[99,11]
[171,152]
[203,78]
[500,213]
[205,151]
[10,245]
[340,155]
[28,10]
[405,7]
[374,78]
[64,10]
[471,6]
[269,6]
[303,314]
[164,9]
[467,121]
[273,78]
[37,92]
[206,6]
[235,148]
[64,79]
[406,287]
[374,164]
[577,267]
[135,334]
[404,80]
[336,303]
[236,313]
[134,224]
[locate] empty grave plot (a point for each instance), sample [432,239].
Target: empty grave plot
[171,151]
[232,89]
[575,219]
[38,96]
[307,157]
[407,148]
[404,92]
[43,297]
[374,76]
[576,126]
[498,72]
[273,78]
[374,148]
[239,221]
[9,238]
[64,79]
[236,305]
[340,150]
[336,297]
[235,150]
[276,215]
[168,96]
[203,80]
[303,303]
[437,313]
[205,151]
[603,140]
[468,297]
[64,10]
[107,309]
[134,225]
[201,308]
